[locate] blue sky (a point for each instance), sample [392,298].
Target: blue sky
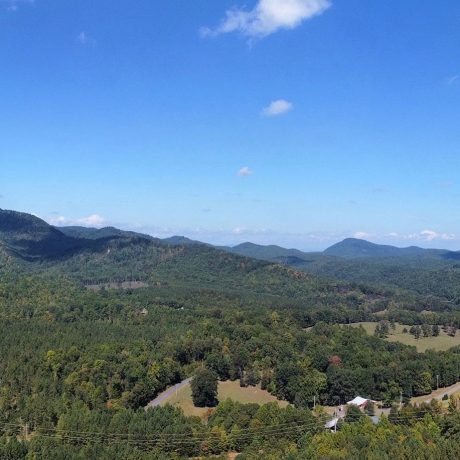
[296,122]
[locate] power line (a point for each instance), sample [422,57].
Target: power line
[243,434]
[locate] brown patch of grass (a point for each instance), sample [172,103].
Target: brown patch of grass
[441,343]
[226,390]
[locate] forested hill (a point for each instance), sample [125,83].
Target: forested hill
[34,248]
[112,232]
[349,248]
[109,255]
[354,248]
[120,256]
[100,233]
[270,252]
[426,272]
[29,237]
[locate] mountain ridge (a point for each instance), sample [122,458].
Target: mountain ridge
[114,255]
[24,233]
[356,248]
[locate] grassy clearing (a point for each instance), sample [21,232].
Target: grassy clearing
[228,389]
[440,343]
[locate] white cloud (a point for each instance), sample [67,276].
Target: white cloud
[94,220]
[59,220]
[430,235]
[239,230]
[453,79]
[362,235]
[14,4]
[424,236]
[84,39]
[244,171]
[267,17]
[277,107]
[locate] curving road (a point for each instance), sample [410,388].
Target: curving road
[167,393]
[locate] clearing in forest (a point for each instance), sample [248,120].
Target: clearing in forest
[440,343]
[226,390]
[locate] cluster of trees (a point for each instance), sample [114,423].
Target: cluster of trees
[425,330]
[382,329]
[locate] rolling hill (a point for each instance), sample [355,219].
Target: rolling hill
[425,272]
[353,248]
[270,252]
[29,237]
[108,254]
[48,253]
[94,256]
[100,233]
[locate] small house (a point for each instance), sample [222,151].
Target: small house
[359,401]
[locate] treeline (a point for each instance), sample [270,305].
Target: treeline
[248,430]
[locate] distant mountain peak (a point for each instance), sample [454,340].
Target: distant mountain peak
[354,248]
[180,240]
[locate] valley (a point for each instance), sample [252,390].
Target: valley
[92,334]
[229,230]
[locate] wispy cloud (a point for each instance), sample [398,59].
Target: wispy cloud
[423,236]
[240,230]
[13,5]
[430,235]
[453,80]
[267,17]
[58,220]
[278,107]
[362,235]
[84,39]
[244,171]
[93,220]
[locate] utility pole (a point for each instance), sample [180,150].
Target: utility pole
[400,399]
[314,402]
[437,382]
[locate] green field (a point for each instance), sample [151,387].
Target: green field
[440,343]
[228,389]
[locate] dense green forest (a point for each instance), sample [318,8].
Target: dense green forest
[82,357]
[433,273]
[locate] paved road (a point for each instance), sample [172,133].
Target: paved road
[437,394]
[167,393]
